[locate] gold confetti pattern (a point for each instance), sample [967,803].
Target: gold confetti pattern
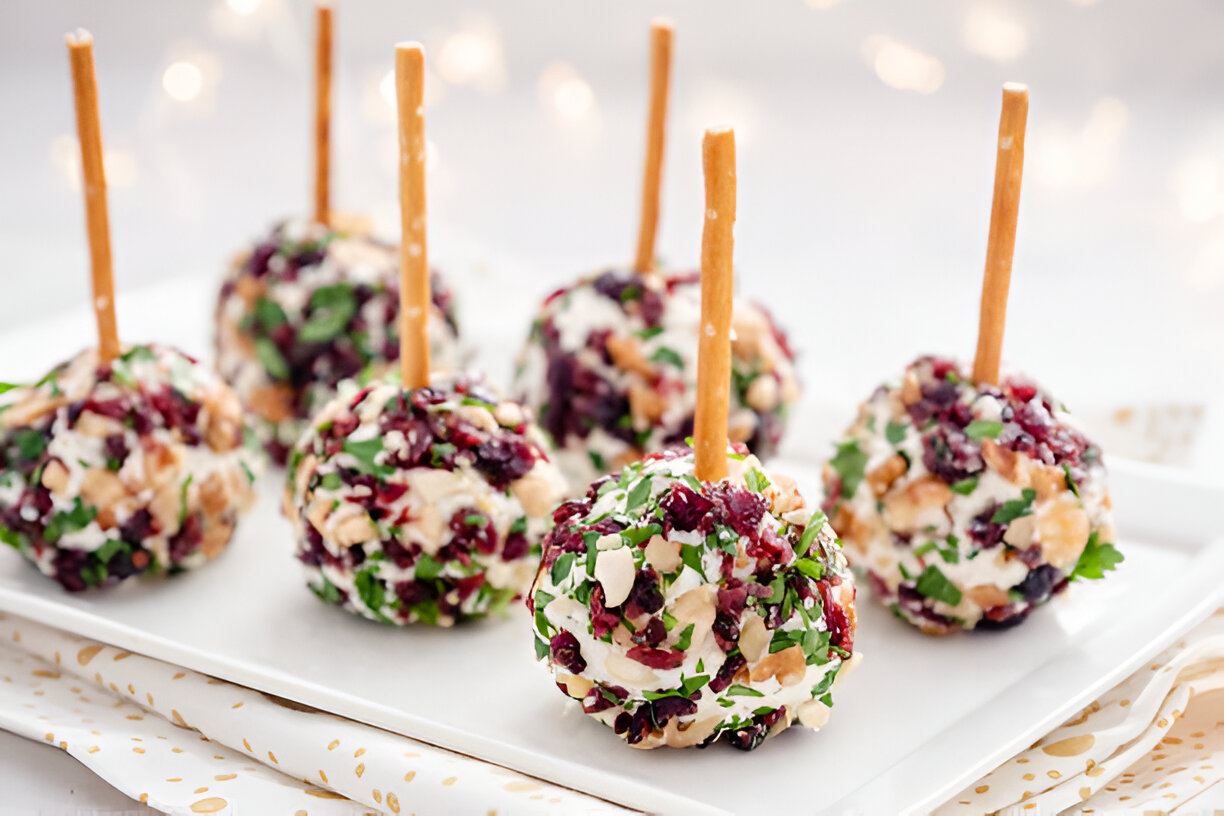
[1152,744]
[186,743]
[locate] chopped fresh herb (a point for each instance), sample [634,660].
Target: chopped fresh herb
[756,480]
[541,648]
[691,556]
[1071,483]
[269,314]
[479,403]
[364,452]
[894,433]
[686,638]
[331,481]
[934,584]
[980,429]
[637,535]
[850,463]
[638,494]
[738,690]
[965,486]
[10,537]
[475,520]
[1096,559]
[439,451]
[62,523]
[7,386]
[811,568]
[561,567]
[271,358]
[371,590]
[814,526]
[589,538]
[1015,508]
[665,355]
[327,592]
[331,308]
[644,334]
[30,443]
[690,684]
[427,568]
[519,526]
[110,548]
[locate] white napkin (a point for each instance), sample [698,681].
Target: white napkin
[185,743]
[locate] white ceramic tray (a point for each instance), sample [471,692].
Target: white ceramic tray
[918,720]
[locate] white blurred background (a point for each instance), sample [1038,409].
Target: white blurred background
[866,146]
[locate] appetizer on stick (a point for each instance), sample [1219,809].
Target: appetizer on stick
[695,596]
[419,499]
[315,302]
[122,461]
[969,498]
[610,364]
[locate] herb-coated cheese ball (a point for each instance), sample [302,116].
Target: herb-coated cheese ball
[132,468]
[306,308]
[610,368]
[968,505]
[680,613]
[421,505]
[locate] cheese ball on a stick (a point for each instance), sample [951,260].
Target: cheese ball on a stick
[609,366]
[315,301]
[970,499]
[308,307]
[694,596]
[116,469]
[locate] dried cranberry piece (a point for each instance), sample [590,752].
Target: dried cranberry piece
[602,621]
[985,532]
[516,547]
[116,447]
[665,708]
[479,537]
[652,634]
[840,633]
[742,508]
[656,658]
[726,673]
[503,460]
[683,508]
[566,652]
[1039,584]
[186,540]
[645,598]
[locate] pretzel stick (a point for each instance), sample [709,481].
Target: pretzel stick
[714,348]
[414,265]
[323,71]
[89,133]
[1009,167]
[661,34]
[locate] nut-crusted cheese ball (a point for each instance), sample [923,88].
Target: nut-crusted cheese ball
[968,505]
[132,468]
[680,612]
[610,368]
[306,308]
[421,505]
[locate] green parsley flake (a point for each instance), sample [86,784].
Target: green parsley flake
[934,584]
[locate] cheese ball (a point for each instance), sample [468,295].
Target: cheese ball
[111,471]
[306,308]
[679,612]
[968,505]
[610,369]
[421,505]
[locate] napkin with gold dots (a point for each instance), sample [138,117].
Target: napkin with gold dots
[185,743]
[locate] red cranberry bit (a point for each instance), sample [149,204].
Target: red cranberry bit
[840,634]
[656,658]
[566,652]
[645,598]
[683,508]
[602,621]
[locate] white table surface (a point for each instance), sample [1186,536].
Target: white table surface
[855,197]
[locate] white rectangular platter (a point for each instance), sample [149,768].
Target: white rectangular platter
[919,719]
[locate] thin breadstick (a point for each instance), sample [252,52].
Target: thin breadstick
[714,346]
[93,173]
[661,35]
[414,263]
[1009,167]
[323,72]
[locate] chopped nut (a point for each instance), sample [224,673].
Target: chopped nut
[754,637]
[356,528]
[477,416]
[646,405]
[628,670]
[272,402]
[214,497]
[1019,532]
[626,354]
[911,391]
[920,505]
[55,477]
[30,409]
[762,394]
[509,414]
[813,714]
[741,425]
[988,596]
[1062,529]
[317,514]
[164,507]
[785,495]
[161,467]
[615,571]
[680,734]
[881,477]
[788,666]
[576,685]
[216,537]
[247,288]
[102,487]
[662,554]
[1049,481]
[537,492]
[96,426]
[698,608]
[223,434]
